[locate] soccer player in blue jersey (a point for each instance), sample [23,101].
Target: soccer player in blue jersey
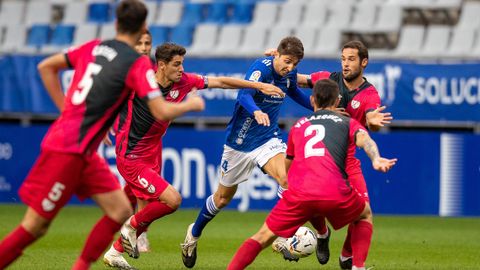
[253,136]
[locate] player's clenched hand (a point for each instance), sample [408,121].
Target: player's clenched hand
[195,101]
[262,118]
[342,112]
[270,51]
[378,118]
[270,89]
[383,164]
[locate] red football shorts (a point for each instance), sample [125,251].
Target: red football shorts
[56,176]
[144,179]
[290,213]
[358,183]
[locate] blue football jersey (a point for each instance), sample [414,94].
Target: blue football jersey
[243,132]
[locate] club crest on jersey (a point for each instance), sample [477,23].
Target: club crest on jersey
[255,76]
[288,83]
[355,104]
[174,94]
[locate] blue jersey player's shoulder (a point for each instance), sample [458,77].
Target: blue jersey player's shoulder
[260,70]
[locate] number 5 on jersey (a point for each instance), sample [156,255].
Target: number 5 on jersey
[85,84]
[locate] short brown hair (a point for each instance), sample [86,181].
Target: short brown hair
[325,93]
[167,51]
[291,46]
[131,15]
[355,44]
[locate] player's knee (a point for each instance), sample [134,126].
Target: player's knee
[175,202]
[367,214]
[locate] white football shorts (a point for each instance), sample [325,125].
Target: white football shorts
[236,166]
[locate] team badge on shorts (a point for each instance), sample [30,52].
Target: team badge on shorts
[174,94]
[355,104]
[151,189]
[47,205]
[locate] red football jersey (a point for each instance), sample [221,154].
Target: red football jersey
[139,134]
[105,75]
[319,146]
[357,103]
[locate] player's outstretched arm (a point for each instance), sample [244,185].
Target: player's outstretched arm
[166,111]
[379,163]
[302,80]
[377,118]
[49,69]
[234,83]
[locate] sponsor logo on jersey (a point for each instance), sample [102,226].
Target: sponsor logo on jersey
[174,94]
[355,104]
[255,76]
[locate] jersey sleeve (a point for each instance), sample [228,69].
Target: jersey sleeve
[141,78]
[290,144]
[198,81]
[316,76]
[73,54]
[372,101]
[355,127]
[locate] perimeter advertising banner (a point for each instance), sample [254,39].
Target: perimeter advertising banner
[412,91]
[437,173]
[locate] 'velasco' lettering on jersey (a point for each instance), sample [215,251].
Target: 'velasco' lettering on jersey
[105,51]
[332,117]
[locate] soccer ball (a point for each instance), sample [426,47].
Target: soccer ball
[303,243]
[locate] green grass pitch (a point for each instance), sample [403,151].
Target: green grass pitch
[399,242]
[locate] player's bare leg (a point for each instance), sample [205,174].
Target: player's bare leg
[275,167]
[213,204]
[250,249]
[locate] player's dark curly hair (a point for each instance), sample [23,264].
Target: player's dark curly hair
[291,46]
[167,51]
[355,44]
[131,15]
[325,93]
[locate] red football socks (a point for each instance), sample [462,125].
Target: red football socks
[245,255]
[13,245]
[98,240]
[360,239]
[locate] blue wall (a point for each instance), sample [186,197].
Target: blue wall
[191,161]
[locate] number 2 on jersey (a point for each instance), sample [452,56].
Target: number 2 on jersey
[319,136]
[85,84]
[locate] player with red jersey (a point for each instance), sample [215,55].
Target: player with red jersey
[139,146]
[360,100]
[317,151]
[106,72]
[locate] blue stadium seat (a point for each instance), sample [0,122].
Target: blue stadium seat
[99,13]
[62,35]
[193,13]
[242,12]
[182,35]
[38,35]
[217,12]
[159,34]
